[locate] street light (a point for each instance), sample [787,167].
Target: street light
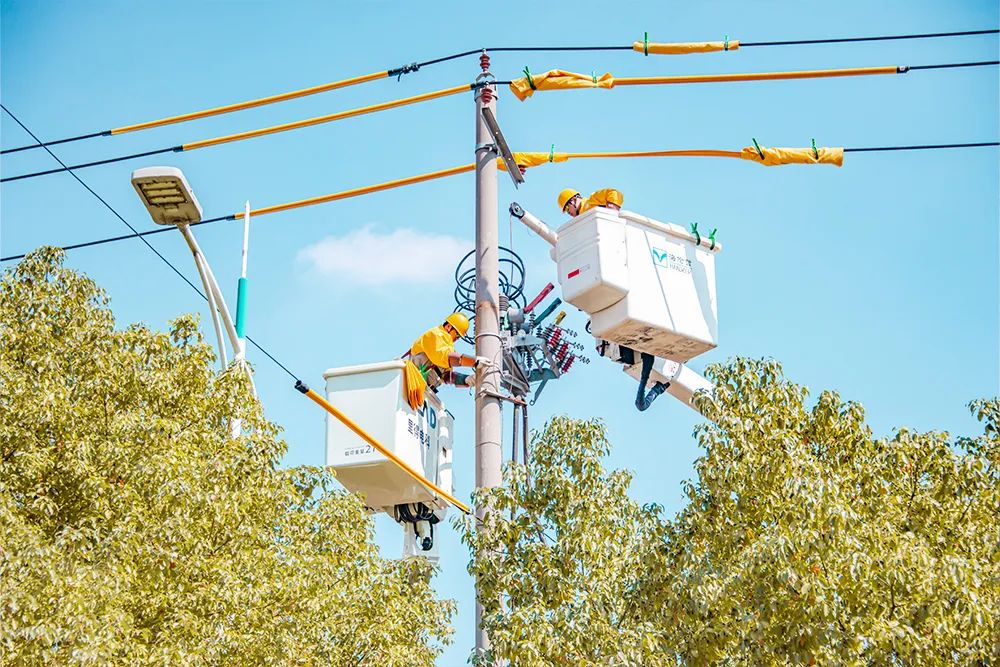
[169,199]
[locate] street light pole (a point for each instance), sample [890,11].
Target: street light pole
[487,331]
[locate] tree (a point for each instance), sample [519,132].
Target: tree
[134,529]
[806,540]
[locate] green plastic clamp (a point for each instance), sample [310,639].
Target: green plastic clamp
[531,81]
[815,152]
[645,43]
[711,237]
[697,236]
[757,146]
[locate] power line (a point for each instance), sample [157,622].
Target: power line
[406,69]
[361,191]
[137,234]
[382,106]
[880,38]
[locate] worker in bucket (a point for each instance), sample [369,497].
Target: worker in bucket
[432,358]
[570,201]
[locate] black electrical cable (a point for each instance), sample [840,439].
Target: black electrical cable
[105,133]
[234,217]
[122,158]
[140,235]
[498,49]
[920,148]
[981,63]
[882,38]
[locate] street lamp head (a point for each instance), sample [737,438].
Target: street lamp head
[167,196]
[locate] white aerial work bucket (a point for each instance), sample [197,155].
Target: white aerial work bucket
[647,285]
[372,396]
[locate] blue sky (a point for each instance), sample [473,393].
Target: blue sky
[878,280]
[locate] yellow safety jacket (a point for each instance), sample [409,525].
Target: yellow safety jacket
[428,365]
[602,198]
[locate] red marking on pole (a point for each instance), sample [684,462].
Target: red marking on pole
[573,274]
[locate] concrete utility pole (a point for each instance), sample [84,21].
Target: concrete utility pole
[488,418]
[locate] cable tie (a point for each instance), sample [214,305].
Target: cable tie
[552,152]
[697,236]
[711,237]
[531,81]
[815,152]
[725,46]
[757,146]
[593,75]
[645,43]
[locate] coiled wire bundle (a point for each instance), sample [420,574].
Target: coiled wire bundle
[511,285]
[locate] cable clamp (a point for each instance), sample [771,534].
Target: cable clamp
[405,69]
[487,147]
[902,69]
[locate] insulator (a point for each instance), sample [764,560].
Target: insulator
[504,304]
[568,363]
[484,61]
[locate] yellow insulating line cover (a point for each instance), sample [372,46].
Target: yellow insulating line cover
[772,156]
[778,156]
[357,192]
[563,80]
[326,119]
[683,48]
[361,433]
[249,104]
[754,76]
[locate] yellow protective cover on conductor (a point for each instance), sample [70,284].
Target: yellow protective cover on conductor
[414,385]
[778,156]
[437,344]
[528,160]
[602,198]
[557,79]
[682,48]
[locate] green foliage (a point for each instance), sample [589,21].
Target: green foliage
[135,530]
[805,540]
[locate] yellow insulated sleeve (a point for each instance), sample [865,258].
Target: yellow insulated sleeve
[329,118]
[361,433]
[774,157]
[684,48]
[525,87]
[249,104]
[357,192]
[754,76]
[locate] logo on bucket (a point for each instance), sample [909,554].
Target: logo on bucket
[669,260]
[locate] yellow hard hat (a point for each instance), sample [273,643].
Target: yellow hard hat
[460,322]
[565,196]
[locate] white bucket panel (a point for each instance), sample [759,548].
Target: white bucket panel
[670,309]
[372,396]
[590,255]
